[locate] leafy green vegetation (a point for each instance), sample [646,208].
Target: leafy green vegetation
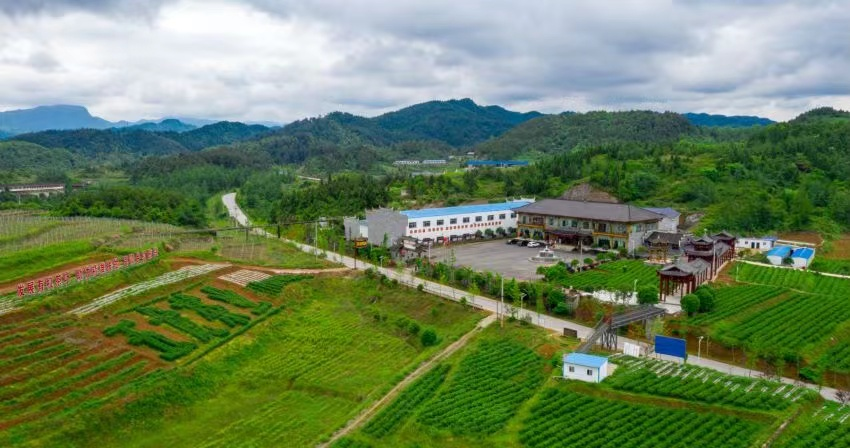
[126,202]
[274,285]
[393,416]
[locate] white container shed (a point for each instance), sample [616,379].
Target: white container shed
[777,254]
[583,367]
[802,257]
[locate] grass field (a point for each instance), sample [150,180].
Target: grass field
[828,425]
[318,360]
[617,275]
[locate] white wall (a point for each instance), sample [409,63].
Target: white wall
[747,243]
[447,229]
[580,373]
[801,262]
[773,259]
[668,224]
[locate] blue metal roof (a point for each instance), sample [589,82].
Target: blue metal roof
[463,209]
[803,252]
[582,359]
[666,211]
[779,251]
[497,163]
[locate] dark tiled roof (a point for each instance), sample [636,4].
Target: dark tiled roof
[599,211]
[665,237]
[666,211]
[691,267]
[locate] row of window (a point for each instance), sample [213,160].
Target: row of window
[440,222]
[440,229]
[589,372]
[586,225]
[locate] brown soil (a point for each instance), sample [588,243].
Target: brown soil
[840,249]
[547,350]
[805,237]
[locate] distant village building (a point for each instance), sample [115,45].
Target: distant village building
[41,190]
[470,164]
[406,162]
[763,243]
[670,222]
[597,223]
[434,162]
[441,224]
[583,367]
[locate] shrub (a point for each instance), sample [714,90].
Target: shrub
[647,295]
[690,304]
[429,338]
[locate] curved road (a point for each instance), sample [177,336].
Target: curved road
[406,277]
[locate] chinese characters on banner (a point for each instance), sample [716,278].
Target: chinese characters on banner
[83,273]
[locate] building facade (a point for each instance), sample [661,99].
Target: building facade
[670,220]
[589,223]
[582,367]
[756,243]
[441,224]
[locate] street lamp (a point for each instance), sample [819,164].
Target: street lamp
[521,308]
[381,261]
[634,290]
[699,347]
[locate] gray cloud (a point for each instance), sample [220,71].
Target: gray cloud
[286,59]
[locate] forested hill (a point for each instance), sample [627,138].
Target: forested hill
[127,144]
[732,121]
[564,132]
[455,122]
[167,125]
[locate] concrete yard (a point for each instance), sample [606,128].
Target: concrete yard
[495,256]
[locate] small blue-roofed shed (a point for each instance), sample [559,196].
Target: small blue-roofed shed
[584,367]
[802,257]
[777,254]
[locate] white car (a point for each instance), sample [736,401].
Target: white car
[534,244]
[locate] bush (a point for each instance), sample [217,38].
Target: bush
[421,287]
[690,304]
[647,295]
[706,299]
[428,338]
[413,328]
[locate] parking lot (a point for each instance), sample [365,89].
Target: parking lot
[509,260]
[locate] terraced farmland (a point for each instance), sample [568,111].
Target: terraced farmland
[617,275]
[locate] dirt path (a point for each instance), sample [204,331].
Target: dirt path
[364,416]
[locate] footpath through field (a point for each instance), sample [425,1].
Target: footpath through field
[364,416]
[407,277]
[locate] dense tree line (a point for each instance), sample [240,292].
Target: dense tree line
[147,204]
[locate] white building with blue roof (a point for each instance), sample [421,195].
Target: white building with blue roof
[778,254]
[584,367]
[443,223]
[802,257]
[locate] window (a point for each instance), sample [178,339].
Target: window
[585,225]
[621,228]
[478,219]
[572,369]
[513,215]
[574,223]
[466,220]
[502,216]
[491,217]
[523,219]
[411,225]
[589,372]
[637,227]
[453,221]
[426,223]
[551,221]
[439,222]
[563,223]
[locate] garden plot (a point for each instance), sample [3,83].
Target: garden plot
[10,303]
[244,276]
[165,279]
[692,383]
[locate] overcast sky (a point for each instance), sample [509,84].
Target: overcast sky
[282,60]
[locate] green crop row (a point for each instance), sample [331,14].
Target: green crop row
[490,385]
[170,350]
[564,418]
[732,300]
[698,384]
[617,275]
[175,320]
[211,313]
[229,297]
[394,415]
[795,279]
[274,285]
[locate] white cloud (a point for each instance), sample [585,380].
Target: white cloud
[284,60]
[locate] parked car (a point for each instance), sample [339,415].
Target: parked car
[534,244]
[512,241]
[524,243]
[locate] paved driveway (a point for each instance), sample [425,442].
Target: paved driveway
[495,256]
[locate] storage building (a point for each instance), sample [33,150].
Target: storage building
[802,257]
[776,255]
[757,243]
[583,367]
[670,220]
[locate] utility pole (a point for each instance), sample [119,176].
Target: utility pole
[503,303]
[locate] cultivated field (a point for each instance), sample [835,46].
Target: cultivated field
[617,275]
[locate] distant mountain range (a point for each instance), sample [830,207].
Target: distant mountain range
[70,117]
